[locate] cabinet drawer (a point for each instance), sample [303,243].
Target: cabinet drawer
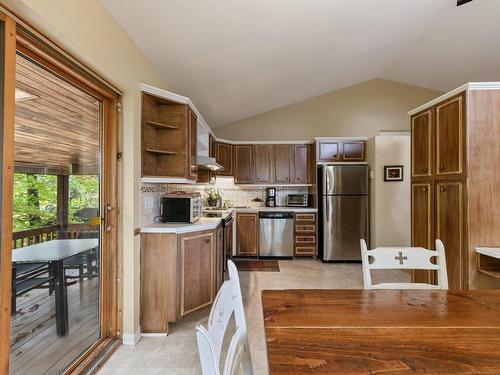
[305,217]
[305,250]
[305,239]
[306,228]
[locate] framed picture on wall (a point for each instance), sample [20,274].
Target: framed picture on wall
[393,173]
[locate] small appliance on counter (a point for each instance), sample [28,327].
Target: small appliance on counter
[271,197]
[297,200]
[181,207]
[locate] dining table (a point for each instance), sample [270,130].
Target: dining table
[54,253]
[382,331]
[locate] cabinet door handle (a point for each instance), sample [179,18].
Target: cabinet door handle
[346,155]
[424,189]
[443,189]
[207,240]
[441,167]
[336,155]
[424,169]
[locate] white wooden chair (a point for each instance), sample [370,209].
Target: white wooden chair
[416,258]
[228,302]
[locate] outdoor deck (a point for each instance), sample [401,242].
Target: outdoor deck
[35,346]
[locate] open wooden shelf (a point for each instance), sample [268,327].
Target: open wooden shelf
[162,152]
[488,261]
[161,125]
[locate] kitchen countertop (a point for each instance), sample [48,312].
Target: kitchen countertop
[210,223]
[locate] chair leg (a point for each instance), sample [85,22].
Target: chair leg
[80,272]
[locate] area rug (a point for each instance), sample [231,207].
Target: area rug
[257,265]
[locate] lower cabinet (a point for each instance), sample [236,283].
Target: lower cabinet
[180,274]
[197,271]
[247,234]
[305,234]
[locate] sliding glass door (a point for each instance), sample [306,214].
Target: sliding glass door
[56,259]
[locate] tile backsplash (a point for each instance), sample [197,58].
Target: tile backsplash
[233,195]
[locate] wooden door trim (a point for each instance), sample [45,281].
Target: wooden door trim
[7,149]
[25,40]
[429,146]
[460,100]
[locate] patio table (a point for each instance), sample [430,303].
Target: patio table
[54,252]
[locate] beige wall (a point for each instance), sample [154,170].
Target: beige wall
[389,201]
[360,110]
[85,28]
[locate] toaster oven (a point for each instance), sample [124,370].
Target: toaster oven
[297,200]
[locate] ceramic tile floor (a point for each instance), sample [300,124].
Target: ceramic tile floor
[177,354]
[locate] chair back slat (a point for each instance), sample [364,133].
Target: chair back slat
[404,258]
[228,303]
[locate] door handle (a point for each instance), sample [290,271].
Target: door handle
[107,210]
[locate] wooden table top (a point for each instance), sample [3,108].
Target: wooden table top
[53,250]
[390,331]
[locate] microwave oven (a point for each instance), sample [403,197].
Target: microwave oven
[181,207]
[297,200]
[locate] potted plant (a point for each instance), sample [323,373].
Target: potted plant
[213,197]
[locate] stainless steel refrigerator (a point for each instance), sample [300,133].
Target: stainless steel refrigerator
[343,192]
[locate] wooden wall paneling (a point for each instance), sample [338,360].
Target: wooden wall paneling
[421,144]
[7,106]
[263,162]
[449,219]
[450,137]
[483,190]
[243,164]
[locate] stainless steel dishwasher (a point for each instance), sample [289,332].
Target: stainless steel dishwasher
[276,233]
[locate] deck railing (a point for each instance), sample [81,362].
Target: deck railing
[52,232]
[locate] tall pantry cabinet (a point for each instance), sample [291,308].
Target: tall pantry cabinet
[455,174]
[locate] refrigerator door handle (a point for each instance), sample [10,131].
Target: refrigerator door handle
[326,209]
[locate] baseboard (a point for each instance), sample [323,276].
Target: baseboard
[132,338]
[159,334]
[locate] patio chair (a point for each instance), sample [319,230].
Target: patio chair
[29,276]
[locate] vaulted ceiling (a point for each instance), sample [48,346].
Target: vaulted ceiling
[237,58]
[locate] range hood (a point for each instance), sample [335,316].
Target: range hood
[207,162]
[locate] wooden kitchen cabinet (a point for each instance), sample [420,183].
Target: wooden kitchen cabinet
[449,229]
[263,163]
[197,271]
[454,152]
[421,144]
[283,164]
[450,137]
[305,234]
[224,156]
[353,150]
[422,223]
[333,150]
[247,234]
[301,173]
[329,151]
[168,139]
[193,139]
[180,274]
[243,162]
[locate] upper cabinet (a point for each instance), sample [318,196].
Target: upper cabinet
[264,163]
[301,157]
[329,151]
[438,140]
[353,150]
[169,143]
[421,143]
[225,157]
[450,140]
[283,164]
[243,160]
[338,149]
